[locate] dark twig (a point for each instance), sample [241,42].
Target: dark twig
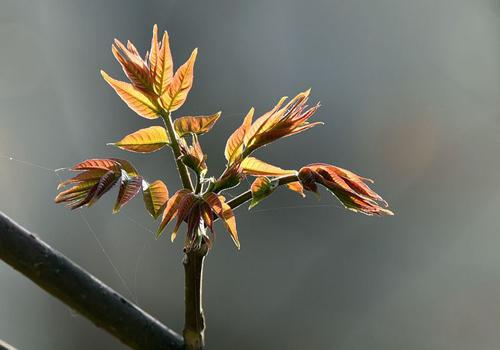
[5,346]
[68,282]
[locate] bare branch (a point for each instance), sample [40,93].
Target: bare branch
[68,282]
[5,346]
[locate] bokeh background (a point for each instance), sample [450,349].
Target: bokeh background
[411,97]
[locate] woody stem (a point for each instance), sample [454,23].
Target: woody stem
[194,319]
[183,172]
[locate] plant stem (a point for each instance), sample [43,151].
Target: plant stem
[246,196]
[183,172]
[194,324]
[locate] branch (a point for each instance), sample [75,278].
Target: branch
[246,196]
[5,346]
[68,282]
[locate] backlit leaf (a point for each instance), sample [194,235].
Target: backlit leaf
[153,52]
[183,212]
[106,182]
[164,66]
[348,187]
[155,197]
[261,188]
[296,187]
[219,206]
[171,209]
[97,177]
[135,99]
[281,121]
[104,164]
[254,166]
[262,124]
[91,175]
[195,124]
[194,158]
[206,215]
[133,66]
[129,187]
[126,166]
[75,191]
[176,93]
[234,145]
[144,140]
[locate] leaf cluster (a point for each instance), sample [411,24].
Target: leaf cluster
[155,91]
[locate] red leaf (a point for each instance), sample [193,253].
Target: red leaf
[129,187]
[218,205]
[171,209]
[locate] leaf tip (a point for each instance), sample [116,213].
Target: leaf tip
[159,233]
[105,75]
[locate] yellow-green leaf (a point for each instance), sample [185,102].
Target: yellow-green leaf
[195,124]
[176,93]
[261,188]
[135,99]
[254,166]
[144,140]
[155,197]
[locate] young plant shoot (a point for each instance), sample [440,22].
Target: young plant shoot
[156,92]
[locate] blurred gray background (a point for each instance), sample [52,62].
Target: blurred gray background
[411,97]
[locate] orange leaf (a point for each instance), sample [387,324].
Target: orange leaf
[144,140]
[164,66]
[261,124]
[183,212]
[194,158]
[281,122]
[155,197]
[296,187]
[135,99]
[348,187]
[171,209]
[104,164]
[254,166]
[153,52]
[234,145]
[207,216]
[261,188]
[176,94]
[133,66]
[195,124]
[218,204]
